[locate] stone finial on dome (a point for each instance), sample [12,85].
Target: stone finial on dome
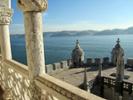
[77,44]
[118,41]
[77,55]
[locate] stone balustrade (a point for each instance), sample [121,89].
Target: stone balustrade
[127,86]
[16,79]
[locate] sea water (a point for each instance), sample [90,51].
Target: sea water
[60,48]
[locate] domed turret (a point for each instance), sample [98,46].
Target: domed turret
[115,51]
[77,55]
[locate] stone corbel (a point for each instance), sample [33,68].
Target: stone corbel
[5,15]
[32,5]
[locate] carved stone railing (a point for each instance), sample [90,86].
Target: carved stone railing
[127,86]
[62,90]
[14,76]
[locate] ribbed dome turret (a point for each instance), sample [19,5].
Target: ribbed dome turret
[77,55]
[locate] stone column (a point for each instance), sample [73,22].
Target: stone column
[5,18]
[32,10]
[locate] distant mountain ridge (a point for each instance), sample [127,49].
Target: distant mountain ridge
[88,32]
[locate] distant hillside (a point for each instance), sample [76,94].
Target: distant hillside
[87,32]
[90,32]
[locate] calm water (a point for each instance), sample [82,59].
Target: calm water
[59,48]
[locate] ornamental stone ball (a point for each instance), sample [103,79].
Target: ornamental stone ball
[77,55]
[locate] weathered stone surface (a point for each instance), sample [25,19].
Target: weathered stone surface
[57,66]
[5,15]
[5,3]
[89,61]
[49,68]
[106,60]
[129,62]
[97,61]
[32,5]
[64,64]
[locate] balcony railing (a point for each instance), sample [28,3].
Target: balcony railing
[14,75]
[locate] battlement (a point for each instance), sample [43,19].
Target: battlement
[98,61]
[57,67]
[64,65]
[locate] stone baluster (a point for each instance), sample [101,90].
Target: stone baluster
[32,10]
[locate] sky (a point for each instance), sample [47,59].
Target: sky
[63,15]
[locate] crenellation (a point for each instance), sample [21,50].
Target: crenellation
[89,61]
[57,67]
[64,64]
[97,61]
[106,61]
[49,68]
[129,62]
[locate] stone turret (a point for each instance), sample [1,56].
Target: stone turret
[77,55]
[115,51]
[118,54]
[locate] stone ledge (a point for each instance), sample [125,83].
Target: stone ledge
[64,89]
[18,67]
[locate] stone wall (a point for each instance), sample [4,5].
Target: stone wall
[97,61]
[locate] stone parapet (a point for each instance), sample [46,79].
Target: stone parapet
[98,61]
[89,61]
[56,67]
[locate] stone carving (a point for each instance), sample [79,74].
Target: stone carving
[7,94]
[5,15]
[32,5]
[35,91]
[4,3]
